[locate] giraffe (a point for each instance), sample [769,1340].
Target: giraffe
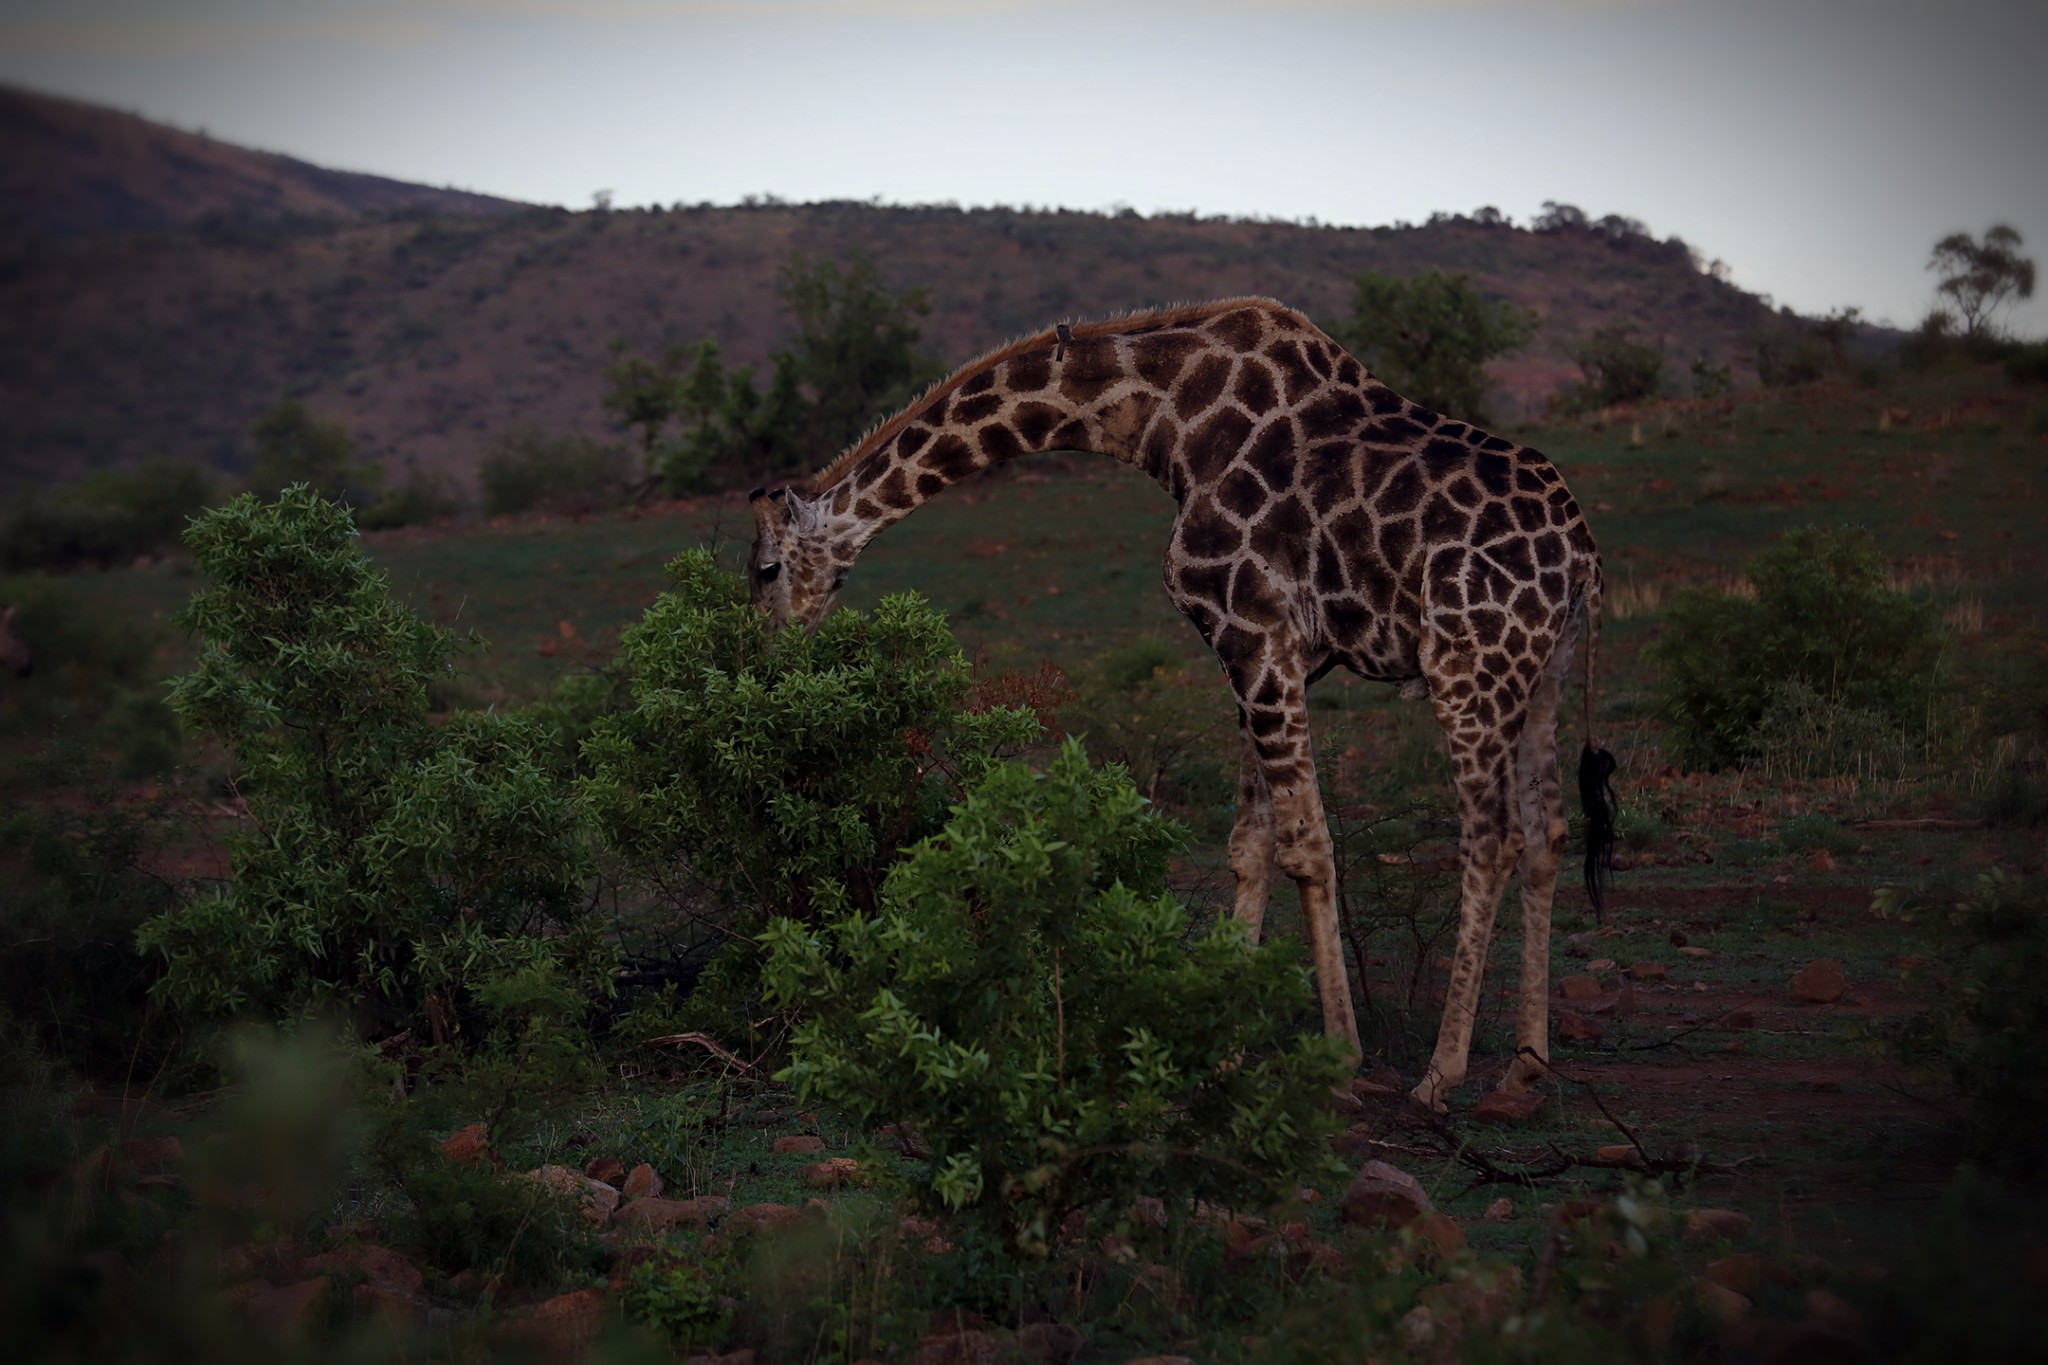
[1324,520]
[15,654]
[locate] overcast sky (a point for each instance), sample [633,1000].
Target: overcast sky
[1819,147]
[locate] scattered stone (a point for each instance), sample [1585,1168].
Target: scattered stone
[832,1172]
[354,1230]
[971,1347]
[396,1311]
[1694,950]
[1579,987]
[607,1170]
[563,1325]
[1246,1240]
[596,1199]
[1616,1151]
[1497,1106]
[799,1146]
[642,1182]
[1736,1021]
[663,1215]
[1741,1271]
[1440,1233]
[1385,1194]
[1573,1211]
[913,1228]
[1819,982]
[1647,971]
[1601,964]
[1049,1343]
[1148,1212]
[1499,1211]
[1833,1311]
[1572,1027]
[1417,1326]
[1707,1225]
[1163,1285]
[1724,1305]
[1822,861]
[763,1216]
[1476,1299]
[286,1311]
[467,1146]
[377,1265]
[147,1156]
[1356,1140]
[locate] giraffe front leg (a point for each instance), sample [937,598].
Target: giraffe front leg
[1302,850]
[1252,838]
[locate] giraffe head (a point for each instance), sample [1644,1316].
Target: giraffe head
[796,568]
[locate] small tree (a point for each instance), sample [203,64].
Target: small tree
[1823,640]
[643,393]
[392,868]
[1023,999]
[294,445]
[1981,277]
[1429,337]
[1618,368]
[855,352]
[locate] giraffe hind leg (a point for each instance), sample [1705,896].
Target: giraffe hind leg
[1540,798]
[1252,838]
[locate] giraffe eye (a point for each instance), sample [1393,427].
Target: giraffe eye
[768,572]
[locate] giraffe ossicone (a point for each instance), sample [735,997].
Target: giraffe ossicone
[1324,521]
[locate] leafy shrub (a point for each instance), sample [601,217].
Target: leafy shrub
[107,519]
[1989,1024]
[422,498]
[526,470]
[1022,998]
[1823,621]
[1132,710]
[1617,368]
[753,762]
[681,1298]
[295,445]
[1710,380]
[1429,337]
[2028,364]
[392,866]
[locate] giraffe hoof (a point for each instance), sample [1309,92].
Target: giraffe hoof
[1428,1099]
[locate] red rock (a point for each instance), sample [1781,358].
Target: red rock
[378,1265]
[1499,1211]
[1832,1311]
[1822,861]
[1049,1343]
[1741,1271]
[1819,982]
[1616,1151]
[466,1146]
[1573,1211]
[595,1198]
[641,1183]
[1647,971]
[607,1170]
[1724,1305]
[1694,950]
[147,1156]
[1569,1026]
[1736,1021]
[832,1172]
[388,1306]
[1148,1212]
[799,1146]
[1479,1298]
[1497,1106]
[565,1324]
[1708,1225]
[767,1215]
[286,1311]
[971,1347]
[1385,1194]
[1579,987]
[1440,1233]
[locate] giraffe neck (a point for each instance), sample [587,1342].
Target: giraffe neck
[1046,393]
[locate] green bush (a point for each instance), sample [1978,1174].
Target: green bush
[1430,336]
[106,520]
[393,867]
[1132,710]
[1989,1025]
[2028,364]
[528,470]
[1022,997]
[421,498]
[1822,640]
[1617,368]
[753,762]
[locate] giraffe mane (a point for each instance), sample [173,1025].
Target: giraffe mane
[886,430]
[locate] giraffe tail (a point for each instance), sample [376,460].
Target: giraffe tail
[1596,765]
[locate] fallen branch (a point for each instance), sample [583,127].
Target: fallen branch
[709,1044]
[1924,822]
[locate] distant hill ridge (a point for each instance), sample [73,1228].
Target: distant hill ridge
[159,290]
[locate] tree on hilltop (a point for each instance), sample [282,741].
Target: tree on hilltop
[1429,337]
[1981,277]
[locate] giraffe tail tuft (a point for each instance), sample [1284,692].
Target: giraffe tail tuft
[1596,799]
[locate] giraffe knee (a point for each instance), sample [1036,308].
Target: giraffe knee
[1304,853]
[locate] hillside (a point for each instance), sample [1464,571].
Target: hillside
[69,168]
[427,334]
